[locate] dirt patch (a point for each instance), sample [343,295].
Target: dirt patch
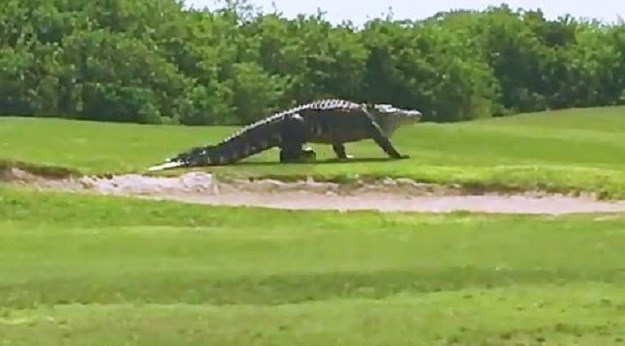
[388,195]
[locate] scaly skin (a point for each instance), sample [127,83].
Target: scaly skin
[330,121]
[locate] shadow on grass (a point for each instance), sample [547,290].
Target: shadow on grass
[317,162]
[202,288]
[266,164]
[58,172]
[47,171]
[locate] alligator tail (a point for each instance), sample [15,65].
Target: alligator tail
[244,143]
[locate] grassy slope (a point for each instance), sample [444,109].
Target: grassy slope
[87,270]
[565,150]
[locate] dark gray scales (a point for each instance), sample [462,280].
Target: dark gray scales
[332,121]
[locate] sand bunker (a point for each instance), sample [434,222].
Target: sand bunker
[389,195]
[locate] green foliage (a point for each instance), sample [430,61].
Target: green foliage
[158,62]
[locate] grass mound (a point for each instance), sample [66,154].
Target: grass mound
[577,150]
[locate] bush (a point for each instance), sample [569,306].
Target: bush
[157,62]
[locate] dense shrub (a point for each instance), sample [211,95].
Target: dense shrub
[157,62]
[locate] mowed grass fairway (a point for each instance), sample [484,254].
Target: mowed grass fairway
[571,150]
[94,270]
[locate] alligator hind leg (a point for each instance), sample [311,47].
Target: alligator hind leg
[293,136]
[339,150]
[307,154]
[291,154]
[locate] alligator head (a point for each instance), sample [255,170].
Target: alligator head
[391,118]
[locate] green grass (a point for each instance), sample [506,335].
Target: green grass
[572,150]
[95,270]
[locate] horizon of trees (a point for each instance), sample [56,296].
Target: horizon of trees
[159,62]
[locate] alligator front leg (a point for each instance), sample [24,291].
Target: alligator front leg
[339,150]
[378,136]
[293,135]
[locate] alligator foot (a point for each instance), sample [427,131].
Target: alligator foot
[304,155]
[346,157]
[341,153]
[308,155]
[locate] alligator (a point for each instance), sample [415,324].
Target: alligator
[326,121]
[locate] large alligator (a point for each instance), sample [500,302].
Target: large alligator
[330,121]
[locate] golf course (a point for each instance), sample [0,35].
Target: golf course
[155,189]
[92,269]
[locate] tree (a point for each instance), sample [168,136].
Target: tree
[156,62]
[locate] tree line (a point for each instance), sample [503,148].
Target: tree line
[159,62]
